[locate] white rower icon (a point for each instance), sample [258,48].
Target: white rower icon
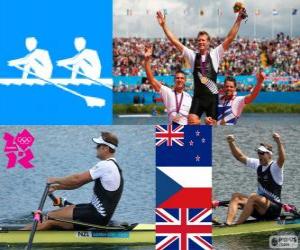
[37,61]
[86,62]
[38,64]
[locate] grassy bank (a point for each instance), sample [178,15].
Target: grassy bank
[251,108]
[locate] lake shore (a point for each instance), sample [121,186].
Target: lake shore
[154,109]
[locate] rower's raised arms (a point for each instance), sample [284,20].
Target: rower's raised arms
[235,150]
[281,151]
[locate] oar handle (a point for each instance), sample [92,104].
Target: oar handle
[217,203]
[37,216]
[286,207]
[59,201]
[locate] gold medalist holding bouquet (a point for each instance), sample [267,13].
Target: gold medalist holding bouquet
[205,63]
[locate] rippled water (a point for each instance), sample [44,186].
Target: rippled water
[63,150]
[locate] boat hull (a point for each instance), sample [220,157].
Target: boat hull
[140,235]
[256,227]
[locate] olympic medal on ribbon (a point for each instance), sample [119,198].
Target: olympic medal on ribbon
[178,116]
[204,79]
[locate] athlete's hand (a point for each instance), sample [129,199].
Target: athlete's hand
[210,121]
[52,181]
[260,77]
[194,119]
[160,18]
[176,119]
[230,138]
[277,137]
[239,17]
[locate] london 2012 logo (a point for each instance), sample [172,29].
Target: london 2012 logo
[18,149]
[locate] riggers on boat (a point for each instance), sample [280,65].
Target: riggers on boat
[134,234]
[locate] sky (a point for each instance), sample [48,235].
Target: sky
[142,25]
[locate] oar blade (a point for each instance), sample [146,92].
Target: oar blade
[94,101]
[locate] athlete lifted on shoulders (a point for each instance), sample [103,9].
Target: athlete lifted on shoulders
[205,64]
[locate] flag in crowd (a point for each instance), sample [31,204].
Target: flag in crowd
[186,11]
[129,12]
[275,12]
[294,11]
[220,12]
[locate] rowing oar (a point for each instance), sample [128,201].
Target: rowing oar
[74,222]
[59,201]
[286,207]
[217,203]
[90,101]
[94,80]
[37,216]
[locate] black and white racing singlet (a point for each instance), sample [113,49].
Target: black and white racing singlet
[205,69]
[106,201]
[266,184]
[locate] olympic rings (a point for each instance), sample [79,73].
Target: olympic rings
[24,140]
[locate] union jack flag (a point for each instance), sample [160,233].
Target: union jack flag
[169,135]
[184,229]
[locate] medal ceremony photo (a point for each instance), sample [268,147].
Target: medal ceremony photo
[232,66]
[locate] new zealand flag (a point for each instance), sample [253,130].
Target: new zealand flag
[183,145]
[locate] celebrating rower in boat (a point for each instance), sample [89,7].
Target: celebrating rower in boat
[177,101]
[205,65]
[108,188]
[264,204]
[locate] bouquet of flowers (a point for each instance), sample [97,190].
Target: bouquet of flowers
[239,7]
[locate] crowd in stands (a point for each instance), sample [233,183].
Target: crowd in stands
[280,56]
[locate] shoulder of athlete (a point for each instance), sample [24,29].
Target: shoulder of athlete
[187,95]
[276,165]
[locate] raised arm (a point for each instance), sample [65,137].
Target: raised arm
[155,84]
[236,152]
[70,182]
[260,79]
[174,40]
[233,32]
[281,151]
